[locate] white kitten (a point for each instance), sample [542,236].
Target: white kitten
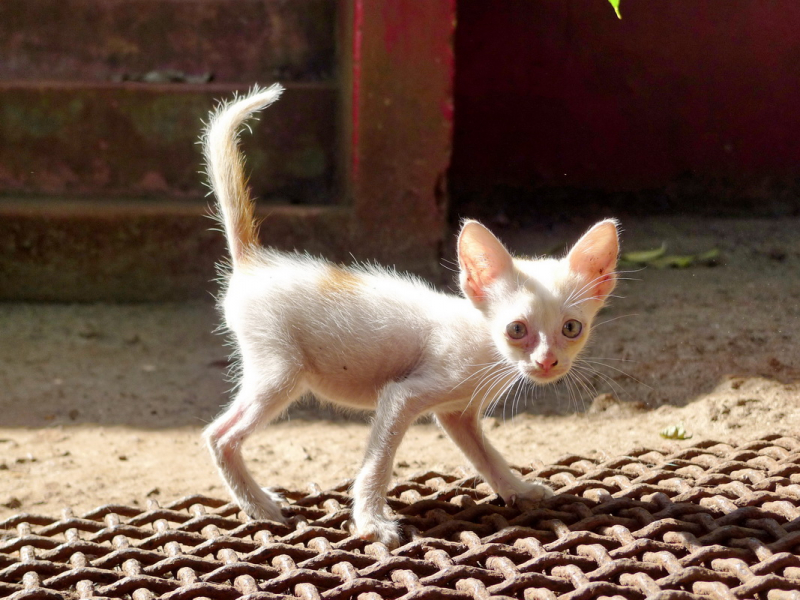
[368,338]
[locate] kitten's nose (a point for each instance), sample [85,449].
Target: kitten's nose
[547,363]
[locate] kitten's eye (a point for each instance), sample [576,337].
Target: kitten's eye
[572,329]
[516,330]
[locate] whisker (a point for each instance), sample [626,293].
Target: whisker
[614,319]
[573,392]
[639,270]
[597,362]
[587,299]
[492,405]
[502,395]
[599,358]
[570,394]
[588,285]
[485,367]
[618,390]
[491,381]
[517,388]
[587,385]
[446,263]
[615,386]
[581,397]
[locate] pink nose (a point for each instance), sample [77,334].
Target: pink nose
[547,363]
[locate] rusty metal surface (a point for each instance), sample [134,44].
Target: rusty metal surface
[397,74]
[707,521]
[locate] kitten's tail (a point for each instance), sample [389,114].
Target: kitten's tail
[225,168]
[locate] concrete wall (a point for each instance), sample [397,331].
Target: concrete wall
[100,198]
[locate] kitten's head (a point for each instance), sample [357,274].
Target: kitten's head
[540,311]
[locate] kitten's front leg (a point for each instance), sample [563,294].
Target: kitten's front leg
[393,416]
[465,430]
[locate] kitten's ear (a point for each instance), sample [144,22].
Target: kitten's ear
[595,257]
[483,260]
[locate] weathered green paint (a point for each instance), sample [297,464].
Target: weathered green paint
[137,139]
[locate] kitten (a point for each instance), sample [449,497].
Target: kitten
[368,338]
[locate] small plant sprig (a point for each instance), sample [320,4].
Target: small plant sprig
[615,4]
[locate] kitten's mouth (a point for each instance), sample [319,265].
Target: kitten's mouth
[542,376]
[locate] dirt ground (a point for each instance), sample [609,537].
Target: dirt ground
[105,403]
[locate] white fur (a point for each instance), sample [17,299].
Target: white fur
[368,338]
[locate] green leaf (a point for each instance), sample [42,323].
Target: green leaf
[615,4]
[659,259]
[709,258]
[673,261]
[675,432]
[644,256]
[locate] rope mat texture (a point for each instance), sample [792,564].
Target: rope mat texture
[708,521]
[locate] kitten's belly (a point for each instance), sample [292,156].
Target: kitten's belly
[342,391]
[352,387]
[356,379]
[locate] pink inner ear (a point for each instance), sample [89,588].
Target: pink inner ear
[483,259]
[595,257]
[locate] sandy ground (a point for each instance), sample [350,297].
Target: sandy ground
[105,403]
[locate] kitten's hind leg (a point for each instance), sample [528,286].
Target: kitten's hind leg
[465,430]
[258,402]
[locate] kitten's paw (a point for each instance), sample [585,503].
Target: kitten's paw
[273,495]
[374,528]
[264,513]
[264,508]
[528,491]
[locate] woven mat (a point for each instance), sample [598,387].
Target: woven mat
[708,521]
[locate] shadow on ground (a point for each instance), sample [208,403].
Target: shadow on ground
[671,336]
